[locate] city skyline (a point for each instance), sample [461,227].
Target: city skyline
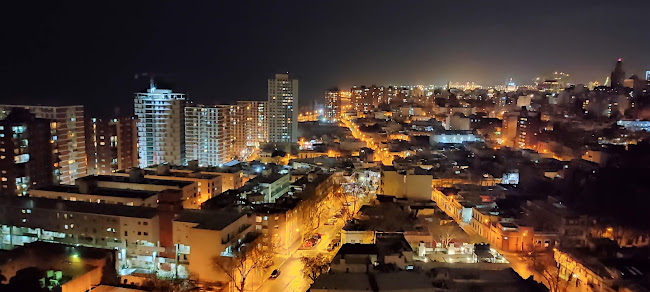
[326,45]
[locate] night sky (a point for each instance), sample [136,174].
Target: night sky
[220,52]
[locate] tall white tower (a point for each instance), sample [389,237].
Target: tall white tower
[283,109]
[161,126]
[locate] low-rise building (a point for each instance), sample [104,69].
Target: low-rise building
[208,185]
[137,181]
[201,235]
[133,231]
[412,184]
[62,267]
[127,197]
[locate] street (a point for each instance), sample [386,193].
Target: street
[291,277]
[382,155]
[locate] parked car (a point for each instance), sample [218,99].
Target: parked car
[275,273]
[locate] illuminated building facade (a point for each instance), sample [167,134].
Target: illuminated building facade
[250,127]
[528,126]
[68,139]
[160,126]
[333,105]
[283,109]
[26,153]
[112,144]
[208,134]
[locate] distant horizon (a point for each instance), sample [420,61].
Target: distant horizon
[220,52]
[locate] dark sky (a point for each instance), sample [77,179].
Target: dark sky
[66,52]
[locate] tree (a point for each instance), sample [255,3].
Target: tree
[267,250]
[446,234]
[245,259]
[314,266]
[543,264]
[443,232]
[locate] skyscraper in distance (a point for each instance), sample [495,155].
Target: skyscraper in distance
[618,75]
[282,109]
[161,126]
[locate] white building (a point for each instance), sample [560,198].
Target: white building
[283,109]
[161,128]
[208,134]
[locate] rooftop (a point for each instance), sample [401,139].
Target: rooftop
[148,181]
[349,248]
[108,192]
[177,173]
[78,207]
[211,220]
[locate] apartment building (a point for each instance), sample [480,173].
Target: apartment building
[209,135]
[68,139]
[189,189]
[134,231]
[208,185]
[27,158]
[81,193]
[112,144]
[283,109]
[201,235]
[161,126]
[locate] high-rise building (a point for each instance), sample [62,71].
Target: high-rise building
[333,105]
[26,152]
[161,127]
[283,109]
[250,127]
[111,144]
[618,75]
[528,126]
[208,134]
[69,138]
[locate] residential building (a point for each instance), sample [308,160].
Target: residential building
[457,121]
[208,185]
[133,231]
[271,185]
[232,177]
[26,153]
[412,184]
[112,144]
[161,126]
[83,273]
[250,127]
[283,109]
[208,134]
[137,181]
[551,215]
[68,138]
[89,193]
[333,105]
[528,126]
[200,236]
